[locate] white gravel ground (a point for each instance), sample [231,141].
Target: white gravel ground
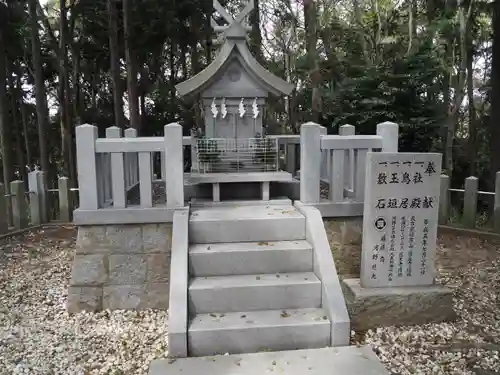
[471,345]
[37,336]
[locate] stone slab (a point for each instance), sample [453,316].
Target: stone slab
[250,258]
[254,331]
[134,214]
[89,270]
[234,293]
[349,360]
[198,202]
[135,297]
[246,224]
[85,298]
[127,269]
[158,268]
[240,177]
[400,219]
[156,238]
[332,297]
[374,307]
[124,238]
[178,302]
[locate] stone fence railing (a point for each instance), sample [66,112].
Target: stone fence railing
[22,208]
[340,162]
[470,207]
[110,168]
[116,174]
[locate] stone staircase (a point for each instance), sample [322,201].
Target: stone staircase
[251,282]
[257,282]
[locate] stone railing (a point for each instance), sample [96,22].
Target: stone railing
[340,161]
[110,168]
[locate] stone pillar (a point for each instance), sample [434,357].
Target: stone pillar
[496,219]
[64,200]
[174,166]
[34,198]
[86,136]
[310,162]
[389,131]
[470,202]
[444,200]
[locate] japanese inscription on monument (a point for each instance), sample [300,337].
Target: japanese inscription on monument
[400,219]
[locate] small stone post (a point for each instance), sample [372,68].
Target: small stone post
[291,155]
[86,136]
[64,200]
[310,162]
[162,166]
[174,166]
[389,131]
[35,198]
[4,227]
[444,200]
[134,159]
[496,209]
[470,202]
[19,208]
[326,159]
[119,171]
[43,198]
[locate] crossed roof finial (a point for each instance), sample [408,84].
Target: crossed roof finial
[236,27]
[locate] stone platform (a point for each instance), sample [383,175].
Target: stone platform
[377,307]
[120,267]
[348,360]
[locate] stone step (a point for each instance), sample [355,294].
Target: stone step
[348,360]
[250,258]
[254,292]
[246,224]
[254,331]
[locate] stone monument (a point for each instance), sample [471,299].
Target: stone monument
[400,221]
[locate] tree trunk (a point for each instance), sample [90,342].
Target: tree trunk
[133,92]
[41,98]
[472,148]
[173,72]
[16,126]
[77,99]
[359,23]
[4,130]
[310,18]
[255,34]
[114,53]
[64,97]
[24,118]
[208,31]
[495,94]
[458,87]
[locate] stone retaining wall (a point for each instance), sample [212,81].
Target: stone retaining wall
[121,267]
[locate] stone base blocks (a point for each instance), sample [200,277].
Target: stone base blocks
[120,267]
[370,308]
